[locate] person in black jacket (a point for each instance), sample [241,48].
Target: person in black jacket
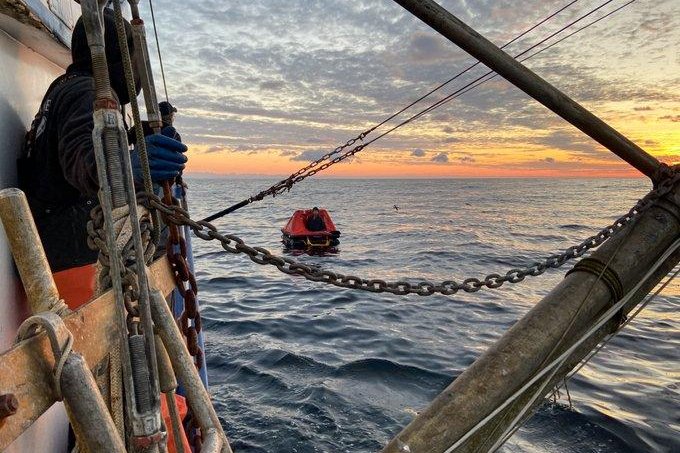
[57,169]
[167,111]
[315,222]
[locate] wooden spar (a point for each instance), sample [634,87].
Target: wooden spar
[542,335]
[523,78]
[25,370]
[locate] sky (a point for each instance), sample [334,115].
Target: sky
[263,87]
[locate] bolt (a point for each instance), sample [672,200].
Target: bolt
[8,405]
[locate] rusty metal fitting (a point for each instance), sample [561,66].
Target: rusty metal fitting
[156,125]
[144,442]
[8,405]
[106,103]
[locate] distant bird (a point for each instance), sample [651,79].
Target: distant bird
[396,208]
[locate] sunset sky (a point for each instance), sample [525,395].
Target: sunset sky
[265,86]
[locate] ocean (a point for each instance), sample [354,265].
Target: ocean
[297,366]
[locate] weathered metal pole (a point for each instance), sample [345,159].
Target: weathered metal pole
[214,438]
[523,78]
[74,382]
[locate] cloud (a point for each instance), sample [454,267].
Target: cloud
[549,160]
[320,72]
[441,158]
[467,160]
[273,85]
[287,153]
[418,152]
[216,149]
[426,47]
[310,155]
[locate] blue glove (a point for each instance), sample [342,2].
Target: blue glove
[166,158]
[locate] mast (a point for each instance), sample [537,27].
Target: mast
[526,80]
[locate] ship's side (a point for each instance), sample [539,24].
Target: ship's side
[33,52]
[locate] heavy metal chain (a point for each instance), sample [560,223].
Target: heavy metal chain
[96,240]
[233,244]
[305,172]
[185,281]
[314,167]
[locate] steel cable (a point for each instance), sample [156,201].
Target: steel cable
[158,49]
[310,169]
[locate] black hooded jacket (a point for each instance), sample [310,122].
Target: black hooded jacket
[57,169]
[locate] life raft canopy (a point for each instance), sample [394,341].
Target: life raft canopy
[296,235]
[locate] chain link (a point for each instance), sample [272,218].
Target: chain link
[313,168]
[233,244]
[185,281]
[96,240]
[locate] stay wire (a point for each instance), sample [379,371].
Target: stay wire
[471,84]
[443,84]
[158,48]
[294,177]
[642,306]
[550,45]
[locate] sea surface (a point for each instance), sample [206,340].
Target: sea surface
[297,366]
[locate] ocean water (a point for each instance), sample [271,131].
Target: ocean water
[297,366]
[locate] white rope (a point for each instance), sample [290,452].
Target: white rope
[630,318]
[514,427]
[609,314]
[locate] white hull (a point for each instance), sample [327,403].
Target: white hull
[31,57]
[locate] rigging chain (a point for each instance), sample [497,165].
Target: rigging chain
[669,177]
[311,169]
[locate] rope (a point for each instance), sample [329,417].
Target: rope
[550,45]
[54,328]
[593,352]
[158,49]
[310,170]
[59,367]
[469,85]
[608,315]
[136,118]
[621,327]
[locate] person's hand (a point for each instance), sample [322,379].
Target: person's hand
[166,158]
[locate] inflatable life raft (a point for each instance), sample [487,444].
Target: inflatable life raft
[297,236]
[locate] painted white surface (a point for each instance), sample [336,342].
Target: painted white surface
[24,78]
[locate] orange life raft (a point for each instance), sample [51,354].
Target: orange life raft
[297,236]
